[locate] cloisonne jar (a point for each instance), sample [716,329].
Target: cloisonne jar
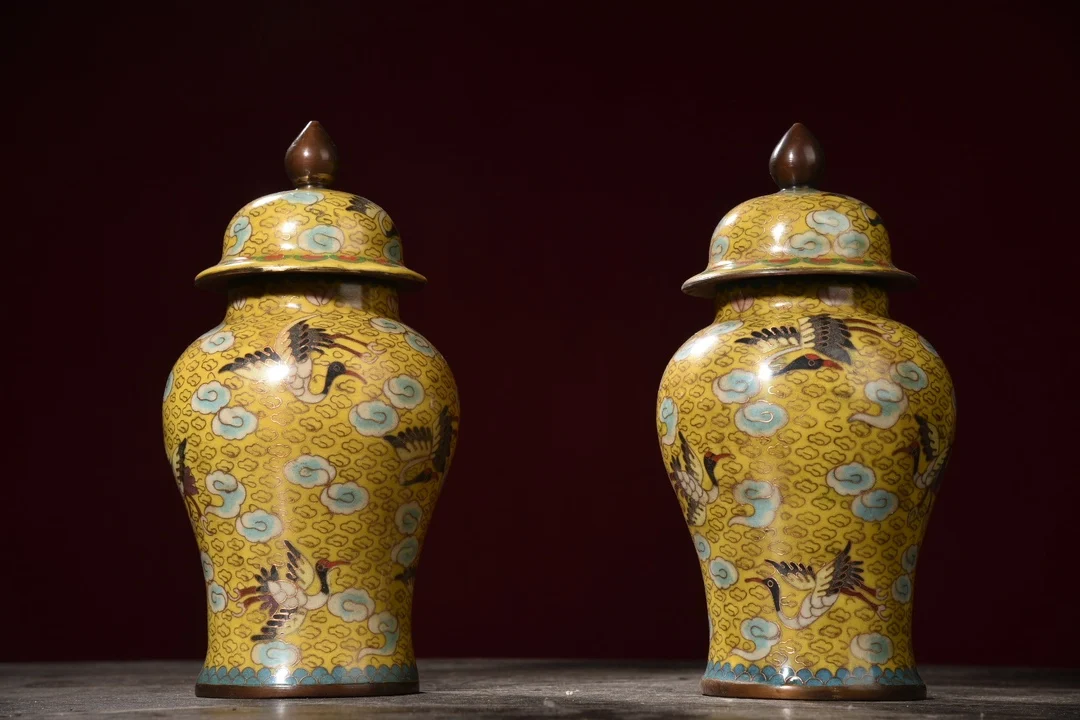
[805,434]
[309,434]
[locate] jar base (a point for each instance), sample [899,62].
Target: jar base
[302,691]
[763,691]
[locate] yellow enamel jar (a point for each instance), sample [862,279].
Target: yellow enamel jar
[805,434]
[310,434]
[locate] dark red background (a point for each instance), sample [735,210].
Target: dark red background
[556,171]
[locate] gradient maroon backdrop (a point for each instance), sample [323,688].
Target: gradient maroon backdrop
[556,171]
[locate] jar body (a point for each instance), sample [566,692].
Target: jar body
[309,436]
[805,434]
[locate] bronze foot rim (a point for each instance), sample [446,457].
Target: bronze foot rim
[719,688]
[302,691]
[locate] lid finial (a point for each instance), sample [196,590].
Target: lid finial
[797,160]
[311,160]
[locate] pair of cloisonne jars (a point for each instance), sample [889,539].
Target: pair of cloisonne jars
[803,430]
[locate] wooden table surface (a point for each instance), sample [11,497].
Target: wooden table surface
[523,689]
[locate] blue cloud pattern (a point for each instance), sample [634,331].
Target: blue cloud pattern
[737,386]
[702,340]
[420,344]
[701,545]
[234,423]
[760,418]
[909,375]
[209,398]
[322,239]
[405,552]
[851,479]
[807,245]
[228,488]
[762,633]
[669,420]
[310,471]
[874,648]
[875,505]
[762,496]
[275,654]
[344,498]
[408,517]
[259,526]
[404,392]
[373,418]
[352,605]
[723,573]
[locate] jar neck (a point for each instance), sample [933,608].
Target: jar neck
[833,296]
[312,295]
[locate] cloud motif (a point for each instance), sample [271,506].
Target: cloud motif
[890,397]
[762,496]
[301,197]
[910,375]
[209,398]
[701,341]
[737,386]
[851,479]
[392,251]
[344,498]
[310,471]
[874,648]
[259,526]
[275,654]
[718,249]
[929,348]
[405,552]
[322,239]
[760,418]
[228,488]
[168,386]
[404,391]
[669,420]
[723,573]
[901,589]
[212,330]
[419,344]
[373,418]
[408,517]
[852,244]
[807,244]
[207,566]
[909,557]
[218,342]
[701,545]
[234,423]
[352,605]
[837,295]
[875,505]
[828,221]
[387,325]
[239,231]
[763,633]
[383,623]
[216,598]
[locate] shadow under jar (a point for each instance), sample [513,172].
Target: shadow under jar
[310,434]
[805,434]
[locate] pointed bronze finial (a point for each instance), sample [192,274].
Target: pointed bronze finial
[797,160]
[311,160]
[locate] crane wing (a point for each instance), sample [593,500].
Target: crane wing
[300,569]
[280,624]
[253,365]
[687,461]
[929,438]
[799,576]
[426,446]
[776,338]
[829,336]
[300,342]
[844,574]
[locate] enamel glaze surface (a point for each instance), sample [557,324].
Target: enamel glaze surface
[805,434]
[309,434]
[799,231]
[312,229]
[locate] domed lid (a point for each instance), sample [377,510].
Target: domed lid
[799,230]
[312,228]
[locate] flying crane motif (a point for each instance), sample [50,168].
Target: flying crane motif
[287,600]
[291,361]
[695,480]
[424,450]
[826,338]
[930,448]
[839,576]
